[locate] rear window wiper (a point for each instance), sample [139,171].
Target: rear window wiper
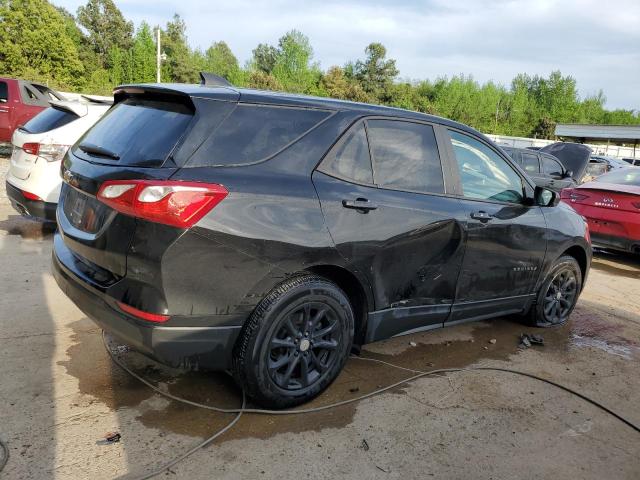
[92,149]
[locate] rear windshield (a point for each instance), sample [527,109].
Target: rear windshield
[627,176]
[255,132]
[137,131]
[49,119]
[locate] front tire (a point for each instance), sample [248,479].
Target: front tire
[295,343]
[557,295]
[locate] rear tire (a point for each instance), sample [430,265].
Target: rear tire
[557,295]
[295,343]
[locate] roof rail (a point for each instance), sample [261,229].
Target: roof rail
[212,80]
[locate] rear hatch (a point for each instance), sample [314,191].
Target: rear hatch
[573,156]
[145,136]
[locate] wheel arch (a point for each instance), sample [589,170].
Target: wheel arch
[580,255]
[358,293]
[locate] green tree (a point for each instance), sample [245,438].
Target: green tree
[35,44]
[181,64]
[293,67]
[106,27]
[144,55]
[264,58]
[375,73]
[336,84]
[221,61]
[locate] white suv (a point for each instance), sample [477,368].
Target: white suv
[33,181]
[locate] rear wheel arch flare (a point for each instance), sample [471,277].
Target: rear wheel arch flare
[361,300]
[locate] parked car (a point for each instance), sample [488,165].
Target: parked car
[269,234]
[574,157]
[611,205]
[544,169]
[33,180]
[632,161]
[19,102]
[611,162]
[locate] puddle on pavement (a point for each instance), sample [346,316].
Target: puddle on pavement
[27,228]
[446,348]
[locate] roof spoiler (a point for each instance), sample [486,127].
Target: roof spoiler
[103,101]
[212,80]
[76,108]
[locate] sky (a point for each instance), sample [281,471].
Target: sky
[595,41]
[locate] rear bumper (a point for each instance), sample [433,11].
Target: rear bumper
[177,346]
[25,206]
[615,243]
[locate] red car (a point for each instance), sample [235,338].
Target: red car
[611,205]
[19,101]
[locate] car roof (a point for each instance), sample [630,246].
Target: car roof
[248,95]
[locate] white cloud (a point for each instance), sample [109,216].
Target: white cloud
[596,42]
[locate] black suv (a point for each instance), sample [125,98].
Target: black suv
[270,234]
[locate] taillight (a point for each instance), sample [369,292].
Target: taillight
[149,317]
[52,152]
[48,151]
[175,203]
[31,196]
[31,148]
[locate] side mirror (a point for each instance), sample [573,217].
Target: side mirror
[568,174]
[546,198]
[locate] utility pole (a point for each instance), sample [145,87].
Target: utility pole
[158,59]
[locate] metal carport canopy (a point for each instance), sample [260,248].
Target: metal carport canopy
[617,133]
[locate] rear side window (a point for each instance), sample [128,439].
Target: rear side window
[4,92]
[551,167]
[530,163]
[136,131]
[252,133]
[48,119]
[405,156]
[350,158]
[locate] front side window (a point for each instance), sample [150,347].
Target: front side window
[483,173]
[530,163]
[405,156]
[350,158]
[4,92]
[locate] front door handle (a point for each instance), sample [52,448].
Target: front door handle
[360,204]
[482,216]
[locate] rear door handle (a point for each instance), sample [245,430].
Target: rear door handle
[482,216]
[361,204]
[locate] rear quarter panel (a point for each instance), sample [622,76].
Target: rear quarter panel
[269,227]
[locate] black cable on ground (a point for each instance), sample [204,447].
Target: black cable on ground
[258,411]
[5,455]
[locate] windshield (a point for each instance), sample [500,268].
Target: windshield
[628,176]
[137,131]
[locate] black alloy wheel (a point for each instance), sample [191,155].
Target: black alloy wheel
[295,342]
[561,296]
[557,295]
[305,346]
